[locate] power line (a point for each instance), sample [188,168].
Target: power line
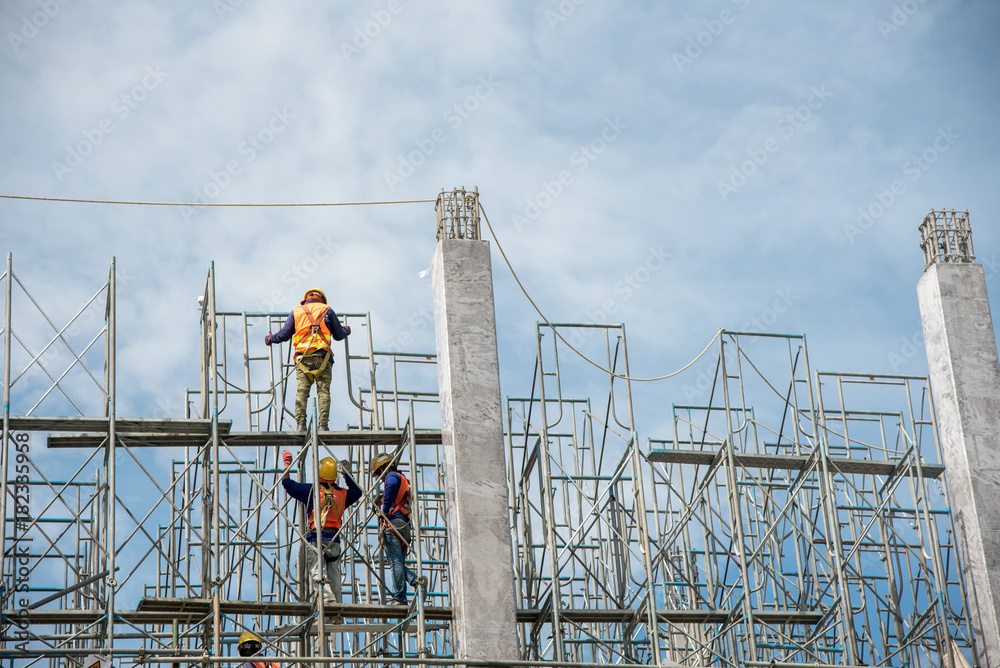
[197,204]
[409,201]
[563,339]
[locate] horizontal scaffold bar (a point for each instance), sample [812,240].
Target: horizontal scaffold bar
[99,425]
[249,438]
[160,610]
[795,462]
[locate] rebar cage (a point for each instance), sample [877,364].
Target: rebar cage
[778,516]
[946,236]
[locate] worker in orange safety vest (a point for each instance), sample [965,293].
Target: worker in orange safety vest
[333,501]
[393,511]
[311,326]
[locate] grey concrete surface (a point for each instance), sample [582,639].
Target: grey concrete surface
[965,384]
[481,563]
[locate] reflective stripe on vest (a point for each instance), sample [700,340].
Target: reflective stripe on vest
[331,506]
[311,332]
[402,501]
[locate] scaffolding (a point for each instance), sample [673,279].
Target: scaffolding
[778,517]
[790,518]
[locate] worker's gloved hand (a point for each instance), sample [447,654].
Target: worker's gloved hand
[345,466]
[267,339]
[348,329]
[286,457]
[376,508]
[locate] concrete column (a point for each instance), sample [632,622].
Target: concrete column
[965,383]
[479,539]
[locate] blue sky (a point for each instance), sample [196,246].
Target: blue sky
[678,167]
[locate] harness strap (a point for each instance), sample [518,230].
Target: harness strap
[313,374]
[391,527]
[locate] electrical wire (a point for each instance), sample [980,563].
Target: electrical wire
[196,204]
[563,339]
[545,320]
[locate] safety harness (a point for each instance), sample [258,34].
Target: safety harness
[315,330]
[331,507]
[400,504]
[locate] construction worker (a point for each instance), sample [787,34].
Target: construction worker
[249,646]
[394,525]
[310,326]
[333,501]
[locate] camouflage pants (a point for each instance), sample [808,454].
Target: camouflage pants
[305,382]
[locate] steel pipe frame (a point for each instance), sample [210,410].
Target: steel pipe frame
[631,453]
[811,418]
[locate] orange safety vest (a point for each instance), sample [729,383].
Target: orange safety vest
[331,504]
[311,332]
[402,500]
[265,664]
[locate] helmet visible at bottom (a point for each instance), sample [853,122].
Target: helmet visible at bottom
[249,644]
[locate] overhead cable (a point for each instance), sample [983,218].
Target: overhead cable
[563,339]
[197,204]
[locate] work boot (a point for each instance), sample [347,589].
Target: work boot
[301,426]
[420,582]
[323,427]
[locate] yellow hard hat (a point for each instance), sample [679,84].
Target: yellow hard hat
[379,461]
[328,468]
[317,291]
[250,644]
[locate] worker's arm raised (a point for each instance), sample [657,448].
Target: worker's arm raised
[353,491]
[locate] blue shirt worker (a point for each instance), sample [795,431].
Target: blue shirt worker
[333,501]
[311,326]
[395,533]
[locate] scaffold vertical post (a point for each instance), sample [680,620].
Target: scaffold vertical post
[548,510]
[418,553]
[215,576]
[319,519]
[110,454]
[833,539]
[4,454]
[733,496]
[640,510]
[246,373]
